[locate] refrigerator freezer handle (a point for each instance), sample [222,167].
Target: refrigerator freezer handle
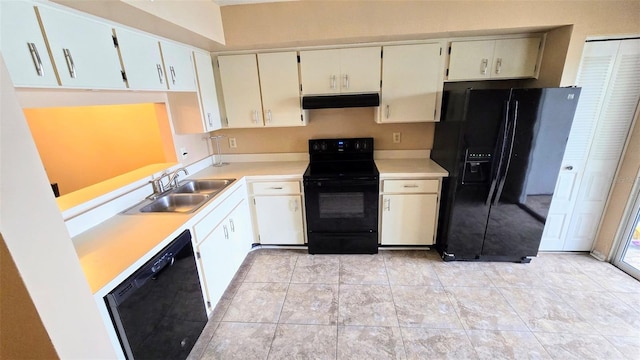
[495,173]
[512,137]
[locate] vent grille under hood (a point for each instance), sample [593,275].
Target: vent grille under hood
[340,101]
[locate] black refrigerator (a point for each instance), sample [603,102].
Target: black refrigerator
[503,150]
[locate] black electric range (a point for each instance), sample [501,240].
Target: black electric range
[341,187]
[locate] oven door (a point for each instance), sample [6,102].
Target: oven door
[341,206]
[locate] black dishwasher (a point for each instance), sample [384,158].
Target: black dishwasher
[159,312]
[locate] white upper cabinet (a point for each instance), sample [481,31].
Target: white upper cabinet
[23,46]
[83,50]
[494,59]
[261,90]
[412,79]
[280,89]
[241,90]
[178,65]
[340,71]
[142,60]
[207,92]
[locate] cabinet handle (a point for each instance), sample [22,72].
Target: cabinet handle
[269,116]
[346,81]
[387,204]
[569,167]
[226,232]
[160,73]
[388,111]
[233,227]
[276,188]
[483,66]
[255,116]
[173,75]
[293,205]
[209,118]
[332,83]
[70,65]
[35,56]
[498,65]
[411,186]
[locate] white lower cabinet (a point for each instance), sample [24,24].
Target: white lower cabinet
[278,212]
[409,211]
[222,241]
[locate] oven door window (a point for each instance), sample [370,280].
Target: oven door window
[347,205]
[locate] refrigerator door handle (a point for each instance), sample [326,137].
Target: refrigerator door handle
[503,174]
[495,172]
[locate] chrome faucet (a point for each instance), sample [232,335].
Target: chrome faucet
[173,178]
[158,185]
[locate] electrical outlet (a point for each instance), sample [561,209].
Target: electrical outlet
[396,138]
[232,143]
[184,153]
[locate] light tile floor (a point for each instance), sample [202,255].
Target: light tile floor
[286,304]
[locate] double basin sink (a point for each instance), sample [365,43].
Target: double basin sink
[187,197]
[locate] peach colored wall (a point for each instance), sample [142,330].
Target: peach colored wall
[81,146]
[330,123]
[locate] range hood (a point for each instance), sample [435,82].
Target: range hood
[340,101]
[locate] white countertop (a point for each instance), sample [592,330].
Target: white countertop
[112,250]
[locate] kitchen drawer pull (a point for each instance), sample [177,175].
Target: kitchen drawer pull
[498,65]
[70,65]
[232,225]
[388,111]
[209,118]
[255,116]
[276,188]
[483,66]
[226,232]
[160,73]
[410,186]
[173,75]
[346,81]
[332,82]
[269,116]
[35,56]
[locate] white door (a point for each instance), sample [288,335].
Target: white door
[279,219]
[627,256]
[207,92]
[360,70]
[411,83]
[83,50]
[320,71]
[610,79]
[241,90]
[142,60]
[178,65]
[471,60]
[513,58]
[23,46]
[408,219]
[280,88]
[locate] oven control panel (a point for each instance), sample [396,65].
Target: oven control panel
[341,146]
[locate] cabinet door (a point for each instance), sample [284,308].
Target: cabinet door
[241,90]
[280,89]
[513,58]
[142,60]
[208,95]
[178,65]
[83,50]
[408,219]
[411,83]
[279,219]
[216,261]
[360,70]
[320,71]
[471,60]
[23,46]
[241,233]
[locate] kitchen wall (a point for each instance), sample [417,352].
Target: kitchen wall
[330,123]
[84,145]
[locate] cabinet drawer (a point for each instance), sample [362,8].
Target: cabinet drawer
[276,187]
[216,215]
[410,186]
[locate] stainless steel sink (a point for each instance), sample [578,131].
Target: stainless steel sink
[202,186]
[181,203]
[186,198]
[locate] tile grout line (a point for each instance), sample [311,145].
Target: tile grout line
[395,308]
[282,306]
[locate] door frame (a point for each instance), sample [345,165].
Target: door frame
[625,231]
